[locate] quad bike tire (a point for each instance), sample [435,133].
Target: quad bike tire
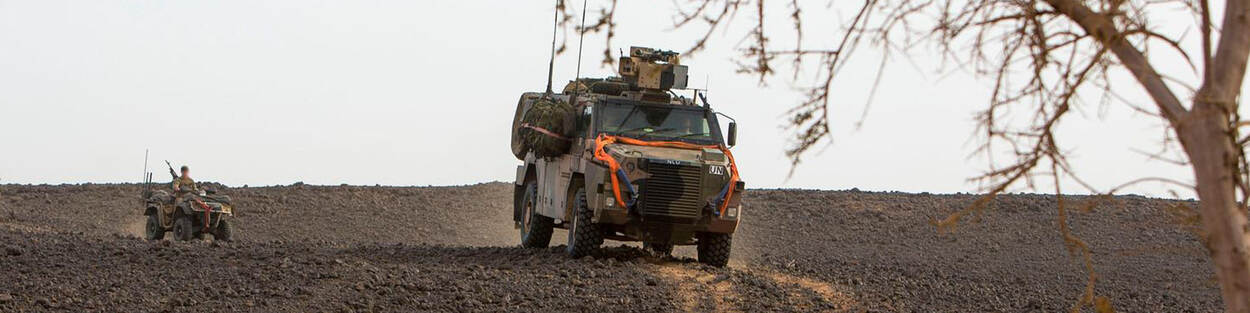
[536,229]
[584,235]
[184,229]
[224,231]
[153,230]
[714,248]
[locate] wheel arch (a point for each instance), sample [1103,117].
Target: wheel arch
[576,180]
[525,173]
[185,208]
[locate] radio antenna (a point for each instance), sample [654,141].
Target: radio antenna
[145,165]
[551,65]
[581,38]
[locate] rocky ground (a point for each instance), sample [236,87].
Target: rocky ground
[76,248]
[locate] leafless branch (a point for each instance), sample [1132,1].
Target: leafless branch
[1042,57]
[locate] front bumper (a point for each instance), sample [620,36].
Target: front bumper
[634,228]
[215,207]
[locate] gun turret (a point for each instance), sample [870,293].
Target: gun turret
[653,69]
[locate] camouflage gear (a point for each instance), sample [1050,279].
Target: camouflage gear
[184,184]
[544,127]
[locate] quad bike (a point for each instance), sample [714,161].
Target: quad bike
[189,216]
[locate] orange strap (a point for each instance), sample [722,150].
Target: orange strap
[601,155]
[207,210]
[544,131]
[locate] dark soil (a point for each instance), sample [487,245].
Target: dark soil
[76,248]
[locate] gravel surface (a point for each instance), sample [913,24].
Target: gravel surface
[299,248]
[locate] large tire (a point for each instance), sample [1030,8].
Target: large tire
[224,231]
[184,230]
[584,235]
[535,228]
[714,248]
[661,249]
[153,230]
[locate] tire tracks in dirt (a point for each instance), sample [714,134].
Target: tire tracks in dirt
[829,294]
[698,291]
[697,288]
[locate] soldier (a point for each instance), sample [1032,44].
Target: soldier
[183,184]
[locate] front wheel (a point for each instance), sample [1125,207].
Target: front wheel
[535,228]
[225,231]
[184,230]
[714,248]
[584,235]
[153,230]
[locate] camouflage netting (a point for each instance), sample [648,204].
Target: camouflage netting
[550,115]
[608,86]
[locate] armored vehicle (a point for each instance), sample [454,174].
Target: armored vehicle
[638,163]
[188,216]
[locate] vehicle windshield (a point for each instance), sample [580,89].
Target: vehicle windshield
[656,122]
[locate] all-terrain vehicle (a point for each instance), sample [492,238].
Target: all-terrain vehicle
[640,163]
[189,217]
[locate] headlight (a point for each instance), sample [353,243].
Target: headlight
[732,212]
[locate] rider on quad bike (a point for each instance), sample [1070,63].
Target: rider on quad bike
[189,213]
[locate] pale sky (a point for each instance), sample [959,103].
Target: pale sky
[422,93]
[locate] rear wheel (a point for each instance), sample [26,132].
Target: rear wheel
[183,228]
[225,231]
[714,248]
[153,229]
[584,235]
[662,249]
[535,228]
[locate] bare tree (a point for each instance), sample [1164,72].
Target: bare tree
[1042,56]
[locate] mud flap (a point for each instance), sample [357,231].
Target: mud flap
[667,233]
[518,195]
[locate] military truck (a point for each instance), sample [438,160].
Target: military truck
[189,216]
[642,164]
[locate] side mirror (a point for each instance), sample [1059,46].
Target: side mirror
[733,134]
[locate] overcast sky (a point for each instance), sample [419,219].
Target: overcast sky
[422,93]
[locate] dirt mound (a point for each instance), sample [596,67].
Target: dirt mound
[348,248]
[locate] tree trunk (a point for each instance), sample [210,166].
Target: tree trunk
[1205,138]
[1204,133]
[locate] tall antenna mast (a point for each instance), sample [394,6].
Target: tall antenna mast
[555,24]
[581,38]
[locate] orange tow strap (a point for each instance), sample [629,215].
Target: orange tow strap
[545,131]
[207,210]
[613,167]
